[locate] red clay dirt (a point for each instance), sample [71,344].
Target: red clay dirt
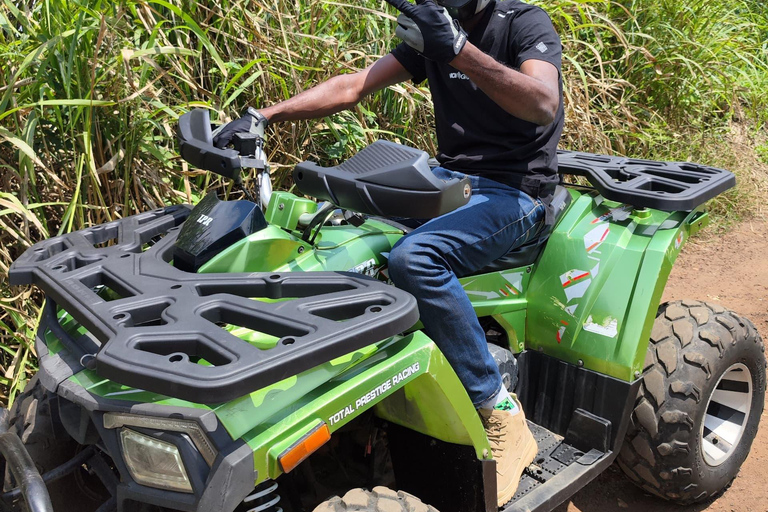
[730,269]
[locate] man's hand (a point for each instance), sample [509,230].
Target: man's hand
[252,121]
[429,29]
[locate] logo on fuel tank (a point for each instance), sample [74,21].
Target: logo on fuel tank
[204,220]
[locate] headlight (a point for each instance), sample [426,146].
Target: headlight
[154,462]
[188,427]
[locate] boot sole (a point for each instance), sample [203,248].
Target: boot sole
[529,454]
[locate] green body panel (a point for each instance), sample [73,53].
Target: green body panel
[408,377]
[392,378]
[595,290]
[339,248]
[262,251]
[285,209]
[593,294]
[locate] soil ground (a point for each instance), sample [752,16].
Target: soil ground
[730,269]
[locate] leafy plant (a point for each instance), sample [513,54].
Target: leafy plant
[90,92]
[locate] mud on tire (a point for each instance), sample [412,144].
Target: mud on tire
[693,344]
[380,499]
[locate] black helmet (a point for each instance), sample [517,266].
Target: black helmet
[463,9]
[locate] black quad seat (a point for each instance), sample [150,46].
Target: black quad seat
[385,179]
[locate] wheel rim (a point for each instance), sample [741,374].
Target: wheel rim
[727,414]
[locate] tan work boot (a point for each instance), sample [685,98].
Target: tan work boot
[513,447]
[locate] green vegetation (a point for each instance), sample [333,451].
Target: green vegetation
[90,91]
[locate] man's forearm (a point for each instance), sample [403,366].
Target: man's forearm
[327,98]
[523,96]
[339,93]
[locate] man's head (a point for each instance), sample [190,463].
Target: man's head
[463,10]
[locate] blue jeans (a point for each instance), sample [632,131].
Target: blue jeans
[429,261]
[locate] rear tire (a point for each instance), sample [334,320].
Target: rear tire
[33,418]
[378,500]
[685,442]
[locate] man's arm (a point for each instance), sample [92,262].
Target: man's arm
[532,94]
[338,93]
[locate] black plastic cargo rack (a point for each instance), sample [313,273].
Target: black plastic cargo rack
[160,329]
[668,186]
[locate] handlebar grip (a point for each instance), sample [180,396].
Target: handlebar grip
[196,140]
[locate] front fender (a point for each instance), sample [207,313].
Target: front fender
[407,381]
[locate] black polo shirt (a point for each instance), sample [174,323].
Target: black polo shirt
[474,134]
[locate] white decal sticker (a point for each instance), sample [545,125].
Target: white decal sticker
[487,295]
[572,276]
[577,290]
[375,393]
[596,237]
[515,279]
[609,327]
[679,240]
[367,268]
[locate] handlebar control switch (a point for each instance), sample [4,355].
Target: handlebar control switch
[246,143]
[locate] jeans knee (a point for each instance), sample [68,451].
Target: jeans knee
[400,262]
[409,259]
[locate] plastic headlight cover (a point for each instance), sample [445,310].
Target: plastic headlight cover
[153,462]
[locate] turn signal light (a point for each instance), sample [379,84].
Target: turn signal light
[304,447]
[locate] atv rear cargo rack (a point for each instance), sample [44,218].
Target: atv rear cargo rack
[667,186]
[160,329]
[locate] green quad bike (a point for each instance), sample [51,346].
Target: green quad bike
[218,358]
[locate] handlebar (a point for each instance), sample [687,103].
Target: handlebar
[196,140]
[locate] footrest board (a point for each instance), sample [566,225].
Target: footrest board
[666,186]
[557,468]
[164,330]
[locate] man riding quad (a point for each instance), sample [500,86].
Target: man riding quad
[493,69]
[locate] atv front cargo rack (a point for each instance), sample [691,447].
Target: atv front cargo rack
[667,186]
[160,329]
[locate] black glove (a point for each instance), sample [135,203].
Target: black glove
[429,29]
[251,122]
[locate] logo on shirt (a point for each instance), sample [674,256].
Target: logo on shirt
[505,14]
[542,47]
[458,76]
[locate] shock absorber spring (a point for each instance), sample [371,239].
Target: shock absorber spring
[264,498]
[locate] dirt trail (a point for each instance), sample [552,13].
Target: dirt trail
[731,270]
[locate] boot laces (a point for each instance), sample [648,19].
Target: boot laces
[495,433]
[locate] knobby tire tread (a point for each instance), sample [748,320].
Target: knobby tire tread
[380,499]
[688,341]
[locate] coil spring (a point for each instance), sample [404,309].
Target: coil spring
[264,497]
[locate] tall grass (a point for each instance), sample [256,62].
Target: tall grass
[90,92]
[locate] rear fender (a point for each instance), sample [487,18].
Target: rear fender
[594,293]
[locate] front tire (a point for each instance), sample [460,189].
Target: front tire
[699,405]
[379,499]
